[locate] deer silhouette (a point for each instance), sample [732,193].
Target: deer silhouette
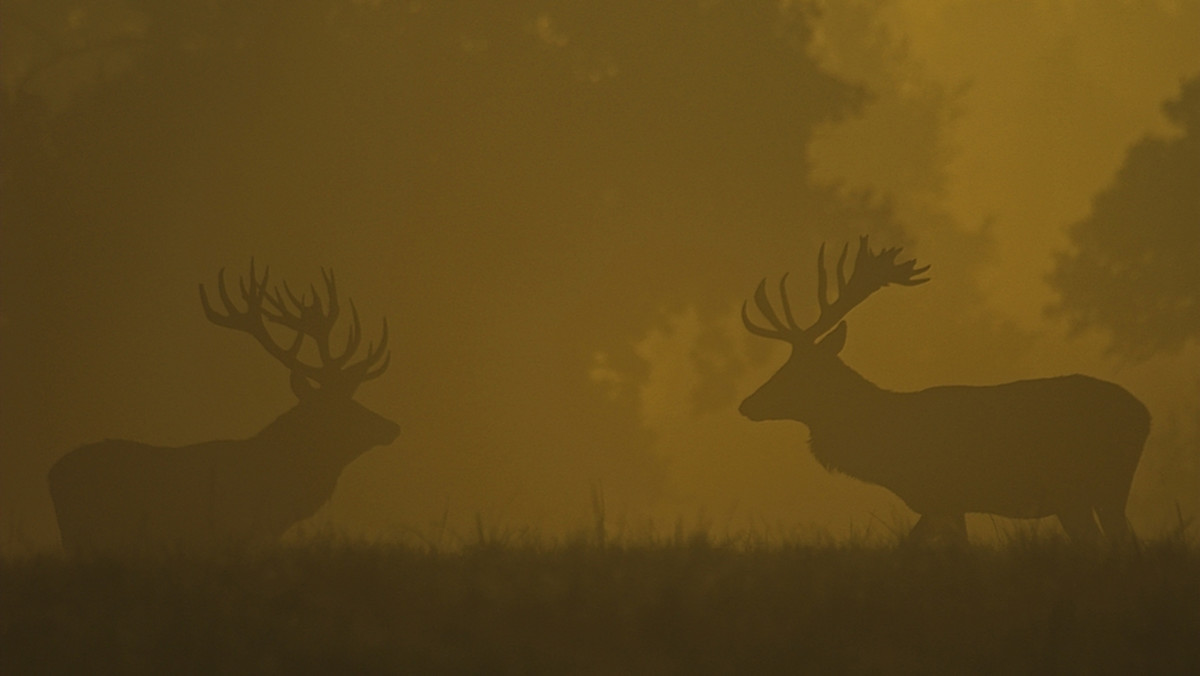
[1065,446]
[123,497]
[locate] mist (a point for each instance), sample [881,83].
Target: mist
[560,209]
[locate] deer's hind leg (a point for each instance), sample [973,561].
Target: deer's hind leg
[1112,519]
[1080,525]
[939,530]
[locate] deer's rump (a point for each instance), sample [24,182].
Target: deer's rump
[1024,449]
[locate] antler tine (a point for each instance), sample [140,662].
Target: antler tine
[841,268]
[284,315]
[254,292]
[871,273]
[293,352]
[210,313]
[320,316]
[915,271]
[764,306]
[297,301]
[780,330]
[850,291]
[787,306]
[233,317]
[882,269]
[906,272]
[822,276]
[371,367]
[378,371]
[374,352]
[366,368]
[325,320]
[309,318]
[251,319]
[331,291]
[353,339]
[755,328]
[822,282]
[315,309]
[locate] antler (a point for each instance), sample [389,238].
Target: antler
[871,272]
[306,318]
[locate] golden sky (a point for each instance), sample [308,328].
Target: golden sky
[561,239]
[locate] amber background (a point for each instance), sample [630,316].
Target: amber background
[560,208]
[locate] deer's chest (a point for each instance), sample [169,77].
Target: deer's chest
[850,450]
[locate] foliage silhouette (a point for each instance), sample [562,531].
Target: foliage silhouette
[120,497]
[1132,270]
[1065,446]
[455,136]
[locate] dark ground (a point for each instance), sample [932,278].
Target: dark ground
[687,606]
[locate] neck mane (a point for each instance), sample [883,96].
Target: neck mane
[292,426]
[848,408]
[848,393]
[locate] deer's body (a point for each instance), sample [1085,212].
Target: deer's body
[124,498]
[1032,448]
[1065,446]
[120,496]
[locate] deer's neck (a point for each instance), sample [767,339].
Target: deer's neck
[848,409]
[847,394]
[308,440]
[289,427]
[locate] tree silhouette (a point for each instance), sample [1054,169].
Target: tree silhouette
[559,172]
[1133,270]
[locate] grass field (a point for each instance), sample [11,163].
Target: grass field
[683,606]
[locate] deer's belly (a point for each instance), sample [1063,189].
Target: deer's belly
[1029,497]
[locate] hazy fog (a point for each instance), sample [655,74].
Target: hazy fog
[560,209]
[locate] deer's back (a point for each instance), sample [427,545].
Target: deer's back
[1053,413]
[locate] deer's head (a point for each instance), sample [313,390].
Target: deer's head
[803,382]
[325,388]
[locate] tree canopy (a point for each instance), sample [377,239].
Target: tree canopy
[1134,268]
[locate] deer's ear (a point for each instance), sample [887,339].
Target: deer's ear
[834,341]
